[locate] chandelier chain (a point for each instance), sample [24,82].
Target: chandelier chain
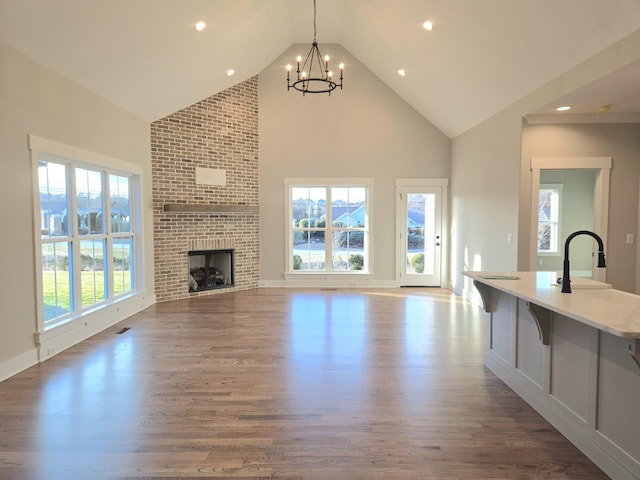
[315,28]
[313,75]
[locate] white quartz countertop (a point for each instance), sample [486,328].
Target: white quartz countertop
[593,303]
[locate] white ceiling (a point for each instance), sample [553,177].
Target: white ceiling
[482,55]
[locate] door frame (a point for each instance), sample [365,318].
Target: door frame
[602,167]
[443,183]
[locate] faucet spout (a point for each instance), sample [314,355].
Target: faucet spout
[566,281]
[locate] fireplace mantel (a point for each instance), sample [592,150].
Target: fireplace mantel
[203,208]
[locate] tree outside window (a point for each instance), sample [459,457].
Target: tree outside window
[549,199]
[328,228]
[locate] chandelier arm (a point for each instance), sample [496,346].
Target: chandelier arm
[309,81]
[307,61]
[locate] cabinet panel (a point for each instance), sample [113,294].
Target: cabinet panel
[503,325]
[570,361]
[618,395]
[529,349]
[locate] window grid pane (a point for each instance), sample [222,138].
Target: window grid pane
[54,203]
[548,219]
[122,261]
[93,281]
[57,280]
[343,225]
[89,201]
[119,192]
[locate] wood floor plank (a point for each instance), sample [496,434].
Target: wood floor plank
[281,384]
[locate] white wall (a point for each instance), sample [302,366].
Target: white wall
[366,130]
[35,100]
[490,179]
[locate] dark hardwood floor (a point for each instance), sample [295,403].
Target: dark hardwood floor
[275,383]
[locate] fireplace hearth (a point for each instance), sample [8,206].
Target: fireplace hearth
[210,269]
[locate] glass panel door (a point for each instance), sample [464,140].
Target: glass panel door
[420,236]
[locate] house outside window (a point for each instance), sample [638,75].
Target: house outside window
[549,201]
[87,236]
[328,224]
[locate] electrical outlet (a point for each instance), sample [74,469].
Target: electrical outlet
[629,238]
[509,237]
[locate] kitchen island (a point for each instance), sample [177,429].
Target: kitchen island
[574,357]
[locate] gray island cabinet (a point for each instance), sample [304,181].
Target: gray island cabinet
[574,357]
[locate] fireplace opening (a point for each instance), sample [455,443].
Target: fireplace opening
[210,269]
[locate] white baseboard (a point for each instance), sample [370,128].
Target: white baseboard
[17,364]
[319,281]
[59,339]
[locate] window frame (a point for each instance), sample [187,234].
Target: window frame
[73,158]
[328,184]
[555,226]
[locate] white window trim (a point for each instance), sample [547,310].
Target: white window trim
[290,182]
[558,187]
[83,158]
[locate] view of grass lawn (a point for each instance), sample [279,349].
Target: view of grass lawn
[56,291]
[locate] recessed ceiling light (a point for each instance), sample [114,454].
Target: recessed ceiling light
[428,25]
[402,72]
[230,72]
[564,108]
[200,26]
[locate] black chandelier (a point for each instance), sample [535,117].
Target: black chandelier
[315,76]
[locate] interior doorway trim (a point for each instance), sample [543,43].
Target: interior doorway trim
[602,168]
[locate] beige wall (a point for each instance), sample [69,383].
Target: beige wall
[35,100]
[621,142]
[484,193]
[490,180]
[364,131]
[370,132]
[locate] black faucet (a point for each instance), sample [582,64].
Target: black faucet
[566,281]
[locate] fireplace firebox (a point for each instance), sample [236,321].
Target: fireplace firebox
[210,269]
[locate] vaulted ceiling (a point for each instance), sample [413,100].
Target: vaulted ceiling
[481,56]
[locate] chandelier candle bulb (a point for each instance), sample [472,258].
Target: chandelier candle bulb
[315,76]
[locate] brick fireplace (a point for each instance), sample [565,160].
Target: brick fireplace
[205,189]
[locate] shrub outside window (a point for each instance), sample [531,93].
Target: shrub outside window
[328,228]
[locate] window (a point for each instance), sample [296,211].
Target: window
[87,239]
[549,199]
[328,227]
